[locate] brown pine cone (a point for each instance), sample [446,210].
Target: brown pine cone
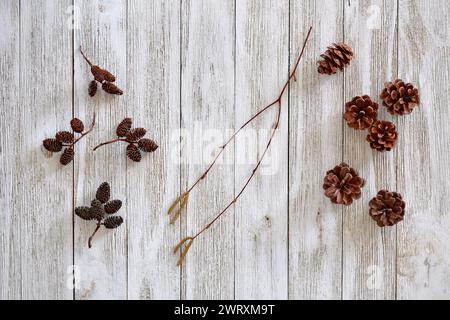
[113,206]
[133,153]
[97,212]
[147,145]
[77,125]
[92,89]
[67,156]
[382,135]
[400,98]
[338,55]
[64,136]
[111,88]
[135,134]
[113,222]
[84,213]
[342,184]
[103,192]
[361,112]
[52,145]
[387,208]
[101,74]
[123,127]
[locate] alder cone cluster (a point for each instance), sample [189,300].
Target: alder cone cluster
[387,208]
[342,184]
[399,97]
[337,56]
[382,135]
[361,112]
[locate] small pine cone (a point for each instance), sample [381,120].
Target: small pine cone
[135,134]
[97,212]
[67,156]
[147,145]
[124,127]
[382,135]
[113,206]
[52,145]
[101,74]
[399,97]
[92,89]
[84,213]
[343,184]
[360,112]
[113,222]
[133,153]
[337,56]
[77,125]
[64,136]
[387,208]
[103,192]
[111,88]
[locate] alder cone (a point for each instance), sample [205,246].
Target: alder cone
[361,112]
[64,136]
[111,88]
[67,156]
[103,192]
[124,127]
[113,222]
[92,90]
[113,206]
[382,135]
[77,125]
[84,213]
[97,212]
[101,74]
[387,208]
[342,184]
[135,134]
[399,97]
[337,56]
[147,145]
[133,153]
[52,145]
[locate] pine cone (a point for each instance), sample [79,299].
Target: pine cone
[92,90]
[96,203]
[101,74]
[400,98]
[52,145]
[113,206]
[342,184]
[387,208]
[133,153]
[111,88]
[103,192]
[84,213]
[147,145]
[124,127]
[67,156]
[337,56]
[360,112]
[97,212]
[382,135]
[136,134]
[64,136]
[113,222]
[77,125]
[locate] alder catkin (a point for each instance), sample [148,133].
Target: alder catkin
[111,88]
[77,125]
[52,145]
[67,156]
[64,136]
[147,145]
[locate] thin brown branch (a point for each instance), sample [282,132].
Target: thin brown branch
[109,142]
[85,58]
[93,234]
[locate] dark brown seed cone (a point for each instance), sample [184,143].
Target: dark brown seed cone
[337,56]
[52,145]
[103,192]
[124,127]
[101,74]
[97,212]
[342,184]
[84,213]
[382,135]
[64,136]
[133,153]
[113,222]
[67,156]
[399,97]
[113,206]
[387,208]
[92,89]
[361,112]
[96,203]
[135,134]
[111,88]
[147,145]
[77,125]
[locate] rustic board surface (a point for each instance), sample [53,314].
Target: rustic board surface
[192,71]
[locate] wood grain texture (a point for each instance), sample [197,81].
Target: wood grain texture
[423,152]
[153,85]
[315,146]
[261,226]
[207,115]
[369,269]
[103,271]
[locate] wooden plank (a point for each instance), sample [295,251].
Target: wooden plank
[153,83]
[423,157]
[262,53]
[207,109]
[42,187]
[103,268]
[315,146]
[369,269]
[10,287]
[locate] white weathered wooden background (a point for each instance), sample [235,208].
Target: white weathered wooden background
[214,63]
